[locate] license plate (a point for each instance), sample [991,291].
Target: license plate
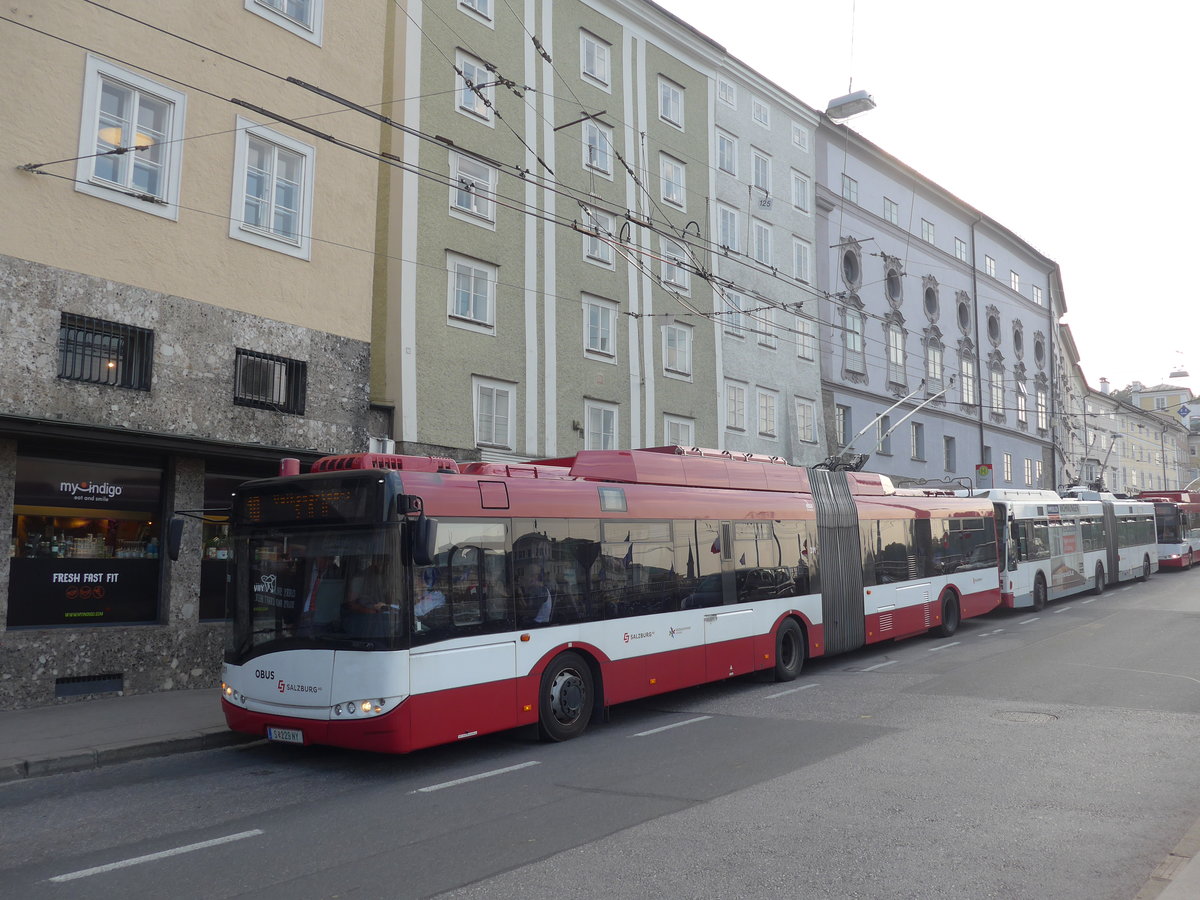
[287,735]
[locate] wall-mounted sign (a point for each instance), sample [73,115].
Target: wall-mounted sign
[87,486]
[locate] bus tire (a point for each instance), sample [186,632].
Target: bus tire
[1145,576]
[567,697]
[1098,587]
[1191,558]
[789,651]
[1039,592]
[951,614]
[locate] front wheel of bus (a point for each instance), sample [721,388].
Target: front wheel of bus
[951,614]
[1145,576]
[1098,587]
[789,651]
[567,697]
[1039,592]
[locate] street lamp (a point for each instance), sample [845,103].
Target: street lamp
[848,105]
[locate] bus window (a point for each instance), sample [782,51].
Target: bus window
[889,551]
[638,568]
[798,554]
[698,562]
[465,589]
[1034,539]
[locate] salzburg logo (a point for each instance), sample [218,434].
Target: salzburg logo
[281,687]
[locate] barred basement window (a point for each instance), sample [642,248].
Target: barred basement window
[270,382]
[99,352]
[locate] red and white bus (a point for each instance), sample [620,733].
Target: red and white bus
[1052,546]
[1177,522]
[390,603]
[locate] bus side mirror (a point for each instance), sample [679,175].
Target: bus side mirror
[174,537]
[422,539]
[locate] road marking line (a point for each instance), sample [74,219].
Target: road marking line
[1091,600]
[150,857]
[479,777]
[803,687]
[1027,621]
[669,727]
[1061,609]
[990,633]
[890,662]
[944,646]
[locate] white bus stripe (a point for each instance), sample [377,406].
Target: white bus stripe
[803,687]
[150,857]
[479,777]
[944,646]
[669,727]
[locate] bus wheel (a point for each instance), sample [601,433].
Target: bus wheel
[1191,558]
[951,614]
[789,651]
[1098,587]
[567,697]
[1039,592]
[1145,576]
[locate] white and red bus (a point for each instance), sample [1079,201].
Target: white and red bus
[1052,546]
[390,603]
[1177,521]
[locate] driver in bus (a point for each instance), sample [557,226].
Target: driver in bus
[430,609]
[366,604]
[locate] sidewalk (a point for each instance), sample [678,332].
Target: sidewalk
[70,737]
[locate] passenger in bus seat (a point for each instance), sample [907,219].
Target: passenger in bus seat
[536,602]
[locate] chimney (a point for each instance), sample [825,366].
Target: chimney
[1105,387]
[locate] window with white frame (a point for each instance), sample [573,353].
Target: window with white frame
[883,438]
[271,205]
[677,349]
[122,110]
[768,330]
[806,338]
[671,174]
[727,92]
[927,233]
[849,188]
[917,441]
[679,431]
[731,312]
[673,272]
[1037,465]
[1014,280]
[767,406]
[934,355]
[480,8]
[1037,295]
[989,265]
[494,413]
[761,249]
[735,406]
[800,192]
[895,354]
[670,102]
[1007,467]
[600,328]
[799,136]
[996,389]
[597,147]
[967,380]
[1028,473]
[761,113]
[1043,413]
[801,259]
[475,90]
[852,334]
[1022,404]
[726,153]
[473,188]
[949,453]
[594,59]
[596,246]
[960,249]
[303,18]
[727,228]
[891,211]
[472,293]
[842,424]
[601,418]
[806,420]
[761,165]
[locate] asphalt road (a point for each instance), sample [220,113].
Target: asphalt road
[1033,755]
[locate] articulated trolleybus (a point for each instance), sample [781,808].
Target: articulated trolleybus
[390,603]
[1052,546]
[1177,521]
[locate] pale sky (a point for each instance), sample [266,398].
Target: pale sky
[1069,122]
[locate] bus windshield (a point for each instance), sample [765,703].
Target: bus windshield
[334,588]
[1166,518]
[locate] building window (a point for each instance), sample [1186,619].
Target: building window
[761,164]
[302,18]
[933,367]
[671,173]
[767,336]
[593,59]
[596,246]
[960,249]
[680,432]
[917,443]
[761,113]
[601,421]
[1028,473]
[473,188]
[731,312]
[727,228]
[99,352]
[967,383]
[849,188]
[670,102]
[766,412]
[677,349]
[883,440]
[1037,295]
[597,147]
[852,334]
[806,420]
[726,153]
[1037,465]
[762,242]
[895,355]
[801,259]
[1022,404]
[891,211]
[1008,467]
[949,455]
[927,233]
[673,272]
[599,327]
[799,136]
[475,90]
[806,338]
[270,382]
[727,92]
[272,191]
[130,140]
[472,293]
[1014,281]
[800,192]
[735,406]
[494,413]
[996,386]
[842,424]
[989,266]
[1043,415]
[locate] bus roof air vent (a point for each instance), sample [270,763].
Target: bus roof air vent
[385,461]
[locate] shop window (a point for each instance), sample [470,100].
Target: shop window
[270,382]
[99,352]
